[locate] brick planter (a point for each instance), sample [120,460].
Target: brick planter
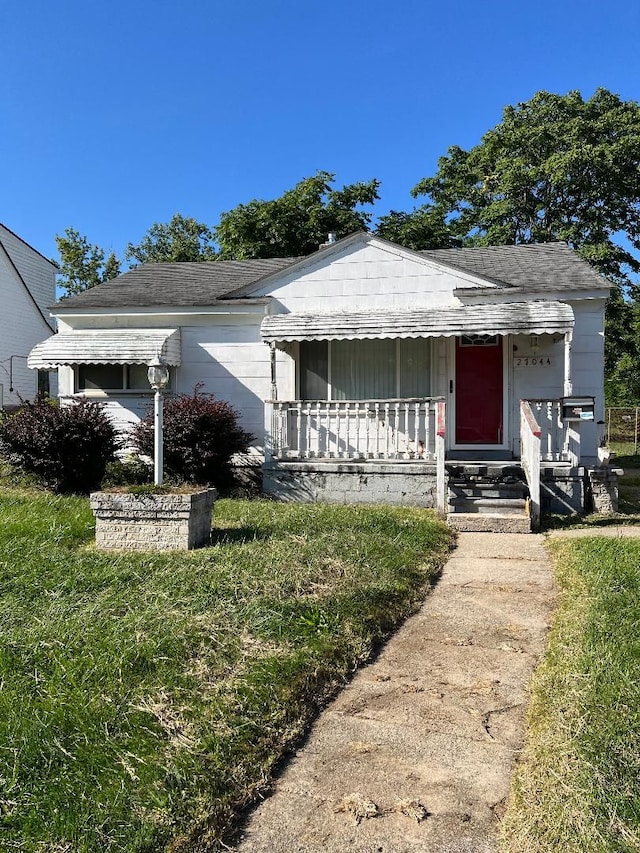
[151,522]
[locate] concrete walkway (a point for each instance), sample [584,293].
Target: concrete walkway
[416,753]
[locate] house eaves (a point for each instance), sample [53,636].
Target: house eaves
[223,306]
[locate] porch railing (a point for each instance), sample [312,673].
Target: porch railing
[559,442]
[354,429]
[530,446]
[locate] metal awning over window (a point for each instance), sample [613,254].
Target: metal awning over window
[107,346]
[513,318]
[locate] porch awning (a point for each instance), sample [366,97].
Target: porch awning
[512,318]
[107,346]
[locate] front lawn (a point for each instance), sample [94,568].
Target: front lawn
[577,789]
[146,698]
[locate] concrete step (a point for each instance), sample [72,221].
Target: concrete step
[486,523]
[473,504]
[487,490]
[487,470]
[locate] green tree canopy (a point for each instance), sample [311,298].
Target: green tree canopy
[298,222]
[82,264]
[180,239]
[556,168]
[422,228]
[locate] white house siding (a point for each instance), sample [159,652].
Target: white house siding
[126,411]
[363,276]
[21,328]
[224,353]
[230,360]
[587,359]
[37,272]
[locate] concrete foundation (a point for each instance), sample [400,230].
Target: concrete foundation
[152,522]
[563,491]
[393,483]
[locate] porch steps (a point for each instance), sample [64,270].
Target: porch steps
[487,497]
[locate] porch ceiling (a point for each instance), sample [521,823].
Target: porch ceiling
[107,346]
[511,318]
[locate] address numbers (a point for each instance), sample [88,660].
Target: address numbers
[532,361]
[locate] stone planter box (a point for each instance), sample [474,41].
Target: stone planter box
[152,522]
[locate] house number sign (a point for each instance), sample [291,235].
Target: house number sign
[532,361]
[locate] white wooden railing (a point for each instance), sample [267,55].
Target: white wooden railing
[353,429]
[530,445]
[559,442]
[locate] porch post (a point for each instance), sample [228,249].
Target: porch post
[568,384]
[269,417]
[274,379]
[270,409]
[440,453]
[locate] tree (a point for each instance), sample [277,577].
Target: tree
[298,222]
[181,239]
[82,264]
[423,228]
[556,168]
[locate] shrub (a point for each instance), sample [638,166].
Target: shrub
[128,472]
[66,448]
[201,434]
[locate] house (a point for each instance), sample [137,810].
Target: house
[27,288]
[369,372]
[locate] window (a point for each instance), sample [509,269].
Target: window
[478,340]
[44,385]
[365,369]
[112,377]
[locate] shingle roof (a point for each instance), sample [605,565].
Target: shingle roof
[177,285]
[536,266]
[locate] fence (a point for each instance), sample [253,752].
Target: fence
[622,426]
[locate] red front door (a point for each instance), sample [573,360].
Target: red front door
[478,390]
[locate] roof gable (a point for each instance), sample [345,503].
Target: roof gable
[349,252]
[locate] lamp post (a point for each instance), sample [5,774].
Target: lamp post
[158,376]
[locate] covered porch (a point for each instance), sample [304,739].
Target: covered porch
[340,433]
[393,451]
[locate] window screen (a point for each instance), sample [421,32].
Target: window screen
[365,369]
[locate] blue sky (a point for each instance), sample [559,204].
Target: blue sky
[116,115]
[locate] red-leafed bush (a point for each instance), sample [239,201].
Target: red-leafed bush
[65,447]
[201,434]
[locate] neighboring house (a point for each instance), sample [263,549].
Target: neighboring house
[27,289]
[364,368]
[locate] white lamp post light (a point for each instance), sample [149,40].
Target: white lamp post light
[158,376]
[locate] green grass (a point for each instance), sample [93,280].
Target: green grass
[577,789]
[146,698]
[626,454]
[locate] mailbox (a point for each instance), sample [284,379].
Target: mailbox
[578,409]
